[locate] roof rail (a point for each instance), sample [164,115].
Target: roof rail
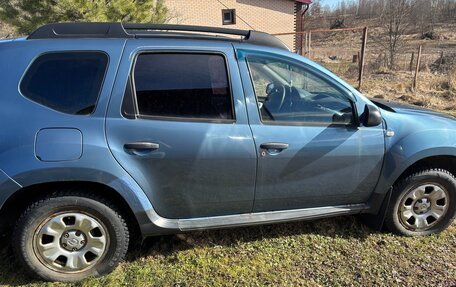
[131,30]
[80,30]
[187,28]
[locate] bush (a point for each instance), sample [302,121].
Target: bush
[338,23]
[445,64]
[431,35]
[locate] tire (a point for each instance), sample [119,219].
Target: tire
[85,235]
[423,203]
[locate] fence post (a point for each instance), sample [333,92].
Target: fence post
[359,60]
[363,58]
[418,60]
[310,41]
[304,47]
[441,59]
[411,61]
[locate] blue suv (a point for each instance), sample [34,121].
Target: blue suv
[111,129]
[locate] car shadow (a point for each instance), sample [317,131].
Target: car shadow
[348,227]
[11,273]
[331,138]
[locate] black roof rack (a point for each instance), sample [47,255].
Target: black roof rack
[130,30]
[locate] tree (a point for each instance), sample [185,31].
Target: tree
[425,15]
[395,20]
[27,15]
[315,9]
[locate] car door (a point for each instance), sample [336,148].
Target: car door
[177,124]
[312,150]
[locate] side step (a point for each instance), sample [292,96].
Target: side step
[255,218]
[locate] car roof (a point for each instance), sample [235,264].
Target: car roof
[80,30]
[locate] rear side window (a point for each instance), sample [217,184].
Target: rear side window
[188,86]
[69,82]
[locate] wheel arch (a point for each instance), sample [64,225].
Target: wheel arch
[447,162]
[22,198]
[399,165]
[379,201]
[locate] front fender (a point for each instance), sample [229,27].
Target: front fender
[401,153]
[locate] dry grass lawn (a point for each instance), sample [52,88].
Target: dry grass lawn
[437,92]
[331,252]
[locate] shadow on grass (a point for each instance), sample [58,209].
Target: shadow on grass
[11,273]
[348,227]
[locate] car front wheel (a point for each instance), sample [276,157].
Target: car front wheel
[70,237]
[422,203]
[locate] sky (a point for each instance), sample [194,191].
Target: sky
[330,2]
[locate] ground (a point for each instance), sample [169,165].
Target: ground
[331,252]
[433,92]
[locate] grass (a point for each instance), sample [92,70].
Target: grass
[433,91]
[335,252]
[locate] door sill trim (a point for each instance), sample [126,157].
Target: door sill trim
[254,218]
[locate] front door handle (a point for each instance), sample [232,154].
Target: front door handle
[141,146]
[274,146]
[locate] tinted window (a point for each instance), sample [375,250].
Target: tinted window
[128,104]
[68,82]
[290,93]
[183,86]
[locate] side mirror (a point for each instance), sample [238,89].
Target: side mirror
[371,116]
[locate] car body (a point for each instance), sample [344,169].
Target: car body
[171,174]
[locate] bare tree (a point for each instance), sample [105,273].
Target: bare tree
[315,9]
[395,19]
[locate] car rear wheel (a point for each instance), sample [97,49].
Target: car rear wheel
[70,237]
[423,203]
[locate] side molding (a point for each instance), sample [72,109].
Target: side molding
[254,218]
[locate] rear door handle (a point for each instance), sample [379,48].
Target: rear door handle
[274,146]
[141,146]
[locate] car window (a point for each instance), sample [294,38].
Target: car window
[187,86]
[290,93]
[128,103]
[69,82]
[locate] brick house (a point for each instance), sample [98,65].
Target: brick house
[272,16]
